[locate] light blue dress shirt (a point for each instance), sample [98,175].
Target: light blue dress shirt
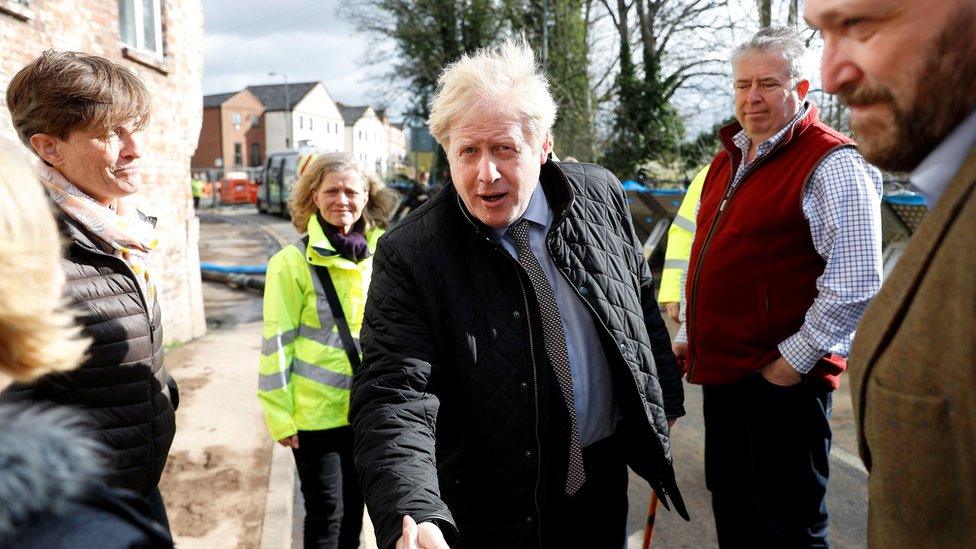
[933,174]
[592,386]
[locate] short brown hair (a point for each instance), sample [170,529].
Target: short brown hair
[381,201]
[63,91]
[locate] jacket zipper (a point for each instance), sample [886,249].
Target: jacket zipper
[729,192]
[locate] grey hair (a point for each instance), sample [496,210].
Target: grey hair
[785,41]
[503,77]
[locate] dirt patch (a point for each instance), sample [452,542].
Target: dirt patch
[216,479]
[205,491]
[189,386]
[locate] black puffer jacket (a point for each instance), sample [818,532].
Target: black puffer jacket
[127,398]
[447,363]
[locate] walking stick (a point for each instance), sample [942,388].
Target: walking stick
[649,527]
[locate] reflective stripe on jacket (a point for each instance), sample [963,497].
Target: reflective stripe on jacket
[305,374]
[680,236]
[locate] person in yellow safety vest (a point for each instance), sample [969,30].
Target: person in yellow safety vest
[680,236]
[308,350]
[196,188]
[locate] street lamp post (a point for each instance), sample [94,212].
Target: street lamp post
[287,108]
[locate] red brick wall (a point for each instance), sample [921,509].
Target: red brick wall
[209,147]
[169,141]
[246,104]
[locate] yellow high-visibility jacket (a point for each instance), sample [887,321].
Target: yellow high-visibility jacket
[680,236]
[305,375]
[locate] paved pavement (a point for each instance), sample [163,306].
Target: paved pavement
[217,475]
[847,497]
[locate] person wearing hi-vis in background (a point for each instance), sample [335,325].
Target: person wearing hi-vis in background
[314,296]
[680,235]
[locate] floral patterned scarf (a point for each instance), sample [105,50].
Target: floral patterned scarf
[122,231]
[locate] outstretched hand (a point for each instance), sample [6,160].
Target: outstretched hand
[425,535]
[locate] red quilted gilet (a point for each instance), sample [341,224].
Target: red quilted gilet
[753,268]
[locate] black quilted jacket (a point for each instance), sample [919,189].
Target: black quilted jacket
[449,407]
[124,395]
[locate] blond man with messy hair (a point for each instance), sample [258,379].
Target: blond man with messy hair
[37,336]
[515,362]
[504,78]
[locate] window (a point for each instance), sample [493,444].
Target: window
[255,154]
[238,155]
[301,122]
[255,121]
[236,119]
[141,24]
[310,119]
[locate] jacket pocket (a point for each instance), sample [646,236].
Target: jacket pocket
[912,461]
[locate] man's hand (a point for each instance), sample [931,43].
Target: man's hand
[672,308]
[779,372]
[681,354]
[289,442]
[425,535]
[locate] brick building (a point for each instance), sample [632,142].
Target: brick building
[161,41]
[232,131]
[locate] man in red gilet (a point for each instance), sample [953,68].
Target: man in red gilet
[786,256]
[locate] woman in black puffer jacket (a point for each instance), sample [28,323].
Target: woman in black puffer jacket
[52,493]
[81,115]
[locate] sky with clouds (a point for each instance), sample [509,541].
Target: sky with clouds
[305,39]
[313,40]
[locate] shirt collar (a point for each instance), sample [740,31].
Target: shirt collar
[933,174]
[537,211]
[743,141]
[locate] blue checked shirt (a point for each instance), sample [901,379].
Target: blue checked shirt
[842,203]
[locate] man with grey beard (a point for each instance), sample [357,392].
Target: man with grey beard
[907,69]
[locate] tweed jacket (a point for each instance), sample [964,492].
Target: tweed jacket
[913,382]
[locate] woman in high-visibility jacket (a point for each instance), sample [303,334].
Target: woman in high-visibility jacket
[680,236]
[305,367]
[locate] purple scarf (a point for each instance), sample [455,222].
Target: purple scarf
[351,246]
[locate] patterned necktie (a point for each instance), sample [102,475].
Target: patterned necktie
[555,341]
